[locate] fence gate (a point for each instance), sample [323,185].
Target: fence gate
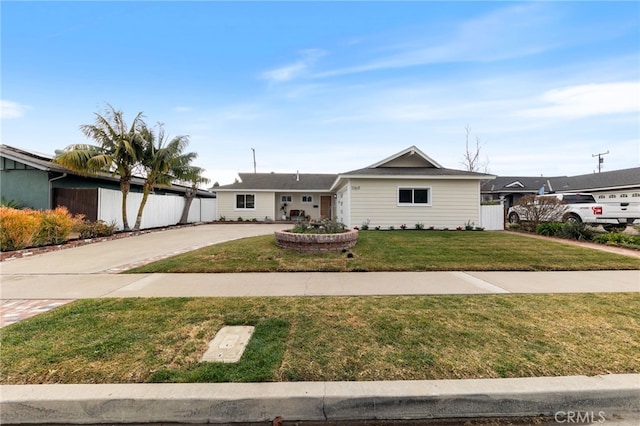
[492,217]
[78,201]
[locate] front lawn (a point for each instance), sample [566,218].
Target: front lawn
[327,339]
[406,250]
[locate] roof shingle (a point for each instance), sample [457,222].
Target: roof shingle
[282,182]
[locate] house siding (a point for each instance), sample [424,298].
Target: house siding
[264,202]
[343,212]
[454,202]
[30,187]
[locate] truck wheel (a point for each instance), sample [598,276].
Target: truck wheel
[513,217]
[572,218]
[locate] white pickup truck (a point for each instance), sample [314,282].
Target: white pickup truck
[579,207]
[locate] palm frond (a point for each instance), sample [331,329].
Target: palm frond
[78,158]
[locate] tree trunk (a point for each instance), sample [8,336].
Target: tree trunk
[188,199]
[145,195]
[124,188]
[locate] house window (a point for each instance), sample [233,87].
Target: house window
[612,196]
[307,198]
[285,199]
[245,201]
[601,196]
[636,194]
[624,196]
[414,196]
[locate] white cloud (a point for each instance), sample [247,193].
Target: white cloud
[291,71]
[10,109]
[587,100]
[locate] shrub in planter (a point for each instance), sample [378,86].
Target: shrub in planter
[325,226]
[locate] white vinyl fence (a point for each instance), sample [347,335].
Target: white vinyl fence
[492,217]
[161,210]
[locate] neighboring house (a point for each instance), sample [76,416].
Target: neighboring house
[607,187]
[509,189]
[28,177]
[405,189]
[33,180]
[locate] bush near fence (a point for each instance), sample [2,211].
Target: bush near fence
[20,229]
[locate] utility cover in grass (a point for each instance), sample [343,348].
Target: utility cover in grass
[228,345]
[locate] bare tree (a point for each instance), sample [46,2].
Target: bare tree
[472,161]
[533,210]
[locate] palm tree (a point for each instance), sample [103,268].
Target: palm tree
[118,151]
[161,160]
[193,175]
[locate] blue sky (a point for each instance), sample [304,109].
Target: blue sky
[334,86]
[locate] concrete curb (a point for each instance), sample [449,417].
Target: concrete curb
[598,397]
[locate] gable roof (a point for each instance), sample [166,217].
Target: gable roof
[410,163]
[415,172]
[409,157]
[281,182]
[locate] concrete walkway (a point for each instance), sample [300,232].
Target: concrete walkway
[48,280]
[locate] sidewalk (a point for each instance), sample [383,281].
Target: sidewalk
[85,286]
[45,281]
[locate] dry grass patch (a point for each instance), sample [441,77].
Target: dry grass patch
[328,339]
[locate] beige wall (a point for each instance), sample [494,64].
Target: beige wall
[265,206]
[453,203]
[268,205]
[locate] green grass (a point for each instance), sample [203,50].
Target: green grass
[327,338]
[399,251]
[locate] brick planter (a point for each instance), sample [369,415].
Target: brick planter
[316,243]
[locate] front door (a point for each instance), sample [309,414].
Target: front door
[325,207]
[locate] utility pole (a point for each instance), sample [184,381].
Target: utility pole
[600,159]
[254,160]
